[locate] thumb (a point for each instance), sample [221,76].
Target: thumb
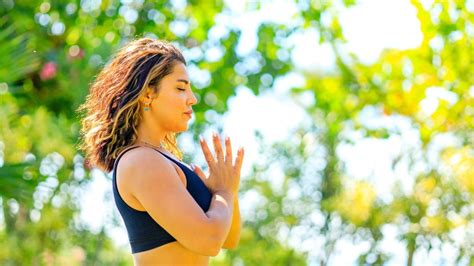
[198,171]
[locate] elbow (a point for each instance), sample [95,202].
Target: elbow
[216,245]
[211,247]
[204,244]
[215,251]
[207,248]
[215,241]
[207,240]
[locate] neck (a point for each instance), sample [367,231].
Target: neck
[149,144]
[151,135]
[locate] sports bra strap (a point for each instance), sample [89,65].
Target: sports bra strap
[136,146]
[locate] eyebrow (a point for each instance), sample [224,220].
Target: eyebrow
[183,80]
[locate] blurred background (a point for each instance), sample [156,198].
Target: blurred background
[356,116]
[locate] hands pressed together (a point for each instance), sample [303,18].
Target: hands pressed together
[224,174]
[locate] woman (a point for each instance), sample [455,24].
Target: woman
[136,105]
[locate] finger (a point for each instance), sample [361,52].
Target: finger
[239,160]
[206,151]
[228,150]
[218,147]
[198,171]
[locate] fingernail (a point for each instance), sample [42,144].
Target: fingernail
[200,138]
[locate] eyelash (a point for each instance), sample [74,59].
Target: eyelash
[181,89]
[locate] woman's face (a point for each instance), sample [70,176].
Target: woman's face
[171,109]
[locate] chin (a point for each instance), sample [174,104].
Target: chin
[183,129]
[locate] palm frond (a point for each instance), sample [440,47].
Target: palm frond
[16,51]
[13,183]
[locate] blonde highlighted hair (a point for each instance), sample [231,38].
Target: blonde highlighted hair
[112,108]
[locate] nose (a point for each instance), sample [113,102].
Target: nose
[193,99]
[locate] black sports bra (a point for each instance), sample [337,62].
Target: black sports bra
[144,233]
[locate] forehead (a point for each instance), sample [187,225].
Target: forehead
[179,72]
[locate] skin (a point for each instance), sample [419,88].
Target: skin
[167,107]
[167,114]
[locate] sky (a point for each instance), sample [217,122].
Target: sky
[275,114]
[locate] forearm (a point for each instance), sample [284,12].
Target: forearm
[220,214]
[233,237]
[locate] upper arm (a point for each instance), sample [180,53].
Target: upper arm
[156,185]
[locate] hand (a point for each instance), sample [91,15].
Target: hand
[223,174]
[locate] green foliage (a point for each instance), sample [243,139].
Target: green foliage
[51,52]
[18,57]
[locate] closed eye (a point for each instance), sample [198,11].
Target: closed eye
[181,89]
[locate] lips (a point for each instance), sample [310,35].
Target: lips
[189,112]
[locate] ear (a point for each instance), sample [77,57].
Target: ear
[145,99]
[148,96]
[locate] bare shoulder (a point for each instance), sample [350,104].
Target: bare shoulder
[138,156]
[143,162]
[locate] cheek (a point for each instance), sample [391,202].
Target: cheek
[169,112]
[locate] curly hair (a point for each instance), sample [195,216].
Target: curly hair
[112,107]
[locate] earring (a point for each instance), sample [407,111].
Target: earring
[147,107]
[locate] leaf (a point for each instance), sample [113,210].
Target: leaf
[18,57]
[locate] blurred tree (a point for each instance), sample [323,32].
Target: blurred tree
[402,83]
[51,51]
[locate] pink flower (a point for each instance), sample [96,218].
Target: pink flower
[48,71]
